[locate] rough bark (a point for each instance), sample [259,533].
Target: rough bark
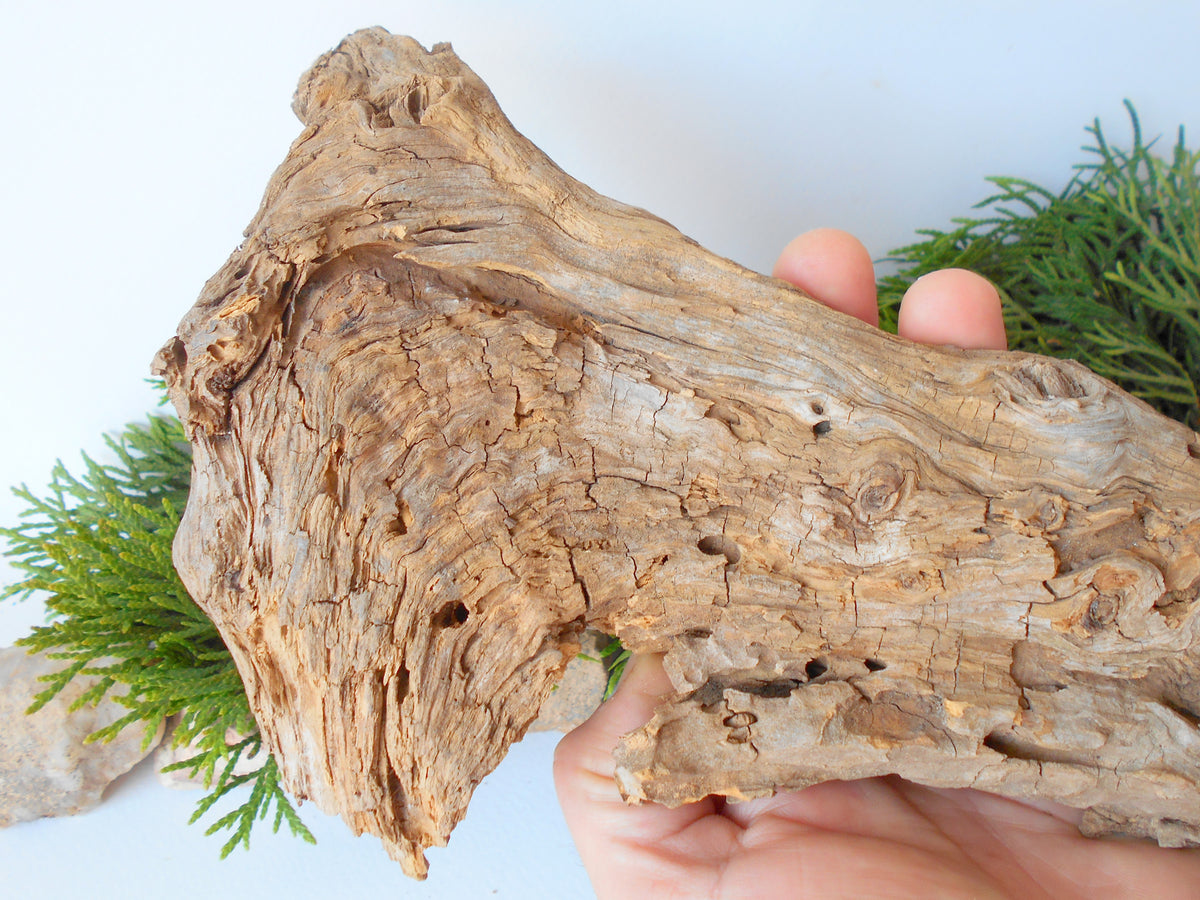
[449,406]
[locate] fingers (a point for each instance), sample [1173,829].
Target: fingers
[953,306]
[603,825]
[833,267]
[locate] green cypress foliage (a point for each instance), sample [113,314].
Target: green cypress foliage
[1106,272]
[614,658]
[99,547]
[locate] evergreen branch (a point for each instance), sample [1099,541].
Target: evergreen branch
[1106,272]
[615,657]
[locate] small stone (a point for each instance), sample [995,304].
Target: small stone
[580,691]
[46,769]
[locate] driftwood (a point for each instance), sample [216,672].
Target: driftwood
[449,406]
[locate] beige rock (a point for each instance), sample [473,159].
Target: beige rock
[580,691]
[46,769]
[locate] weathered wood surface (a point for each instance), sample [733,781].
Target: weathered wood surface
[448,406]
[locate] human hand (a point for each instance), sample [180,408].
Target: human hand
[870,838]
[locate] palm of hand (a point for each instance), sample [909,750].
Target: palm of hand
[879,837]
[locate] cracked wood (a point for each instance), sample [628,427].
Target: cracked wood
[449,406]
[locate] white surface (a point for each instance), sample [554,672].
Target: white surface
[137,139]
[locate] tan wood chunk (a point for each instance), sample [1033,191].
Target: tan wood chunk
[449,407]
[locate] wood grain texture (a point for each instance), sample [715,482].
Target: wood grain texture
[449,406]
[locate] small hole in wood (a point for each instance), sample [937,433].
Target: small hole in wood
[780,687]
[1003,744]
[331,477]
[815,668]
[403,520]
[178,354]
[1194,449]
[817,408]
[822,427]
[451,615]
[740,720]
[875,665]
[719,545]
[400,685]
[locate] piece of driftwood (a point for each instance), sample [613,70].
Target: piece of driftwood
[449,406]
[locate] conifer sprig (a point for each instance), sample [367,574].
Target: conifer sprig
[1106,272]
[99,547]
[615,657]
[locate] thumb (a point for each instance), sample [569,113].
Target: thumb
[593,808]
[589,748]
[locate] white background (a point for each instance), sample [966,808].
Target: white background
[137,140]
